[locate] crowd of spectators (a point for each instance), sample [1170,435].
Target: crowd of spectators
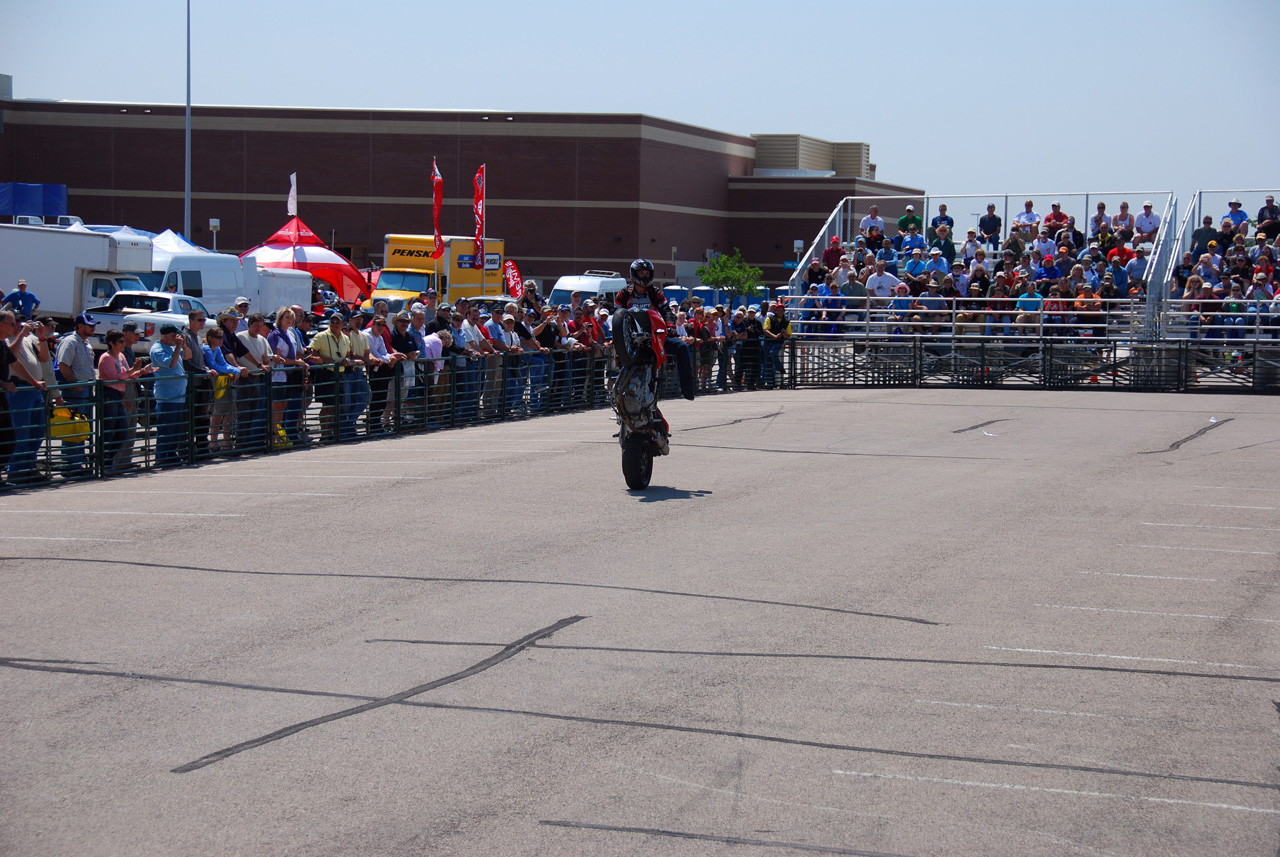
[1226,280]
[244,379]
[1043,275]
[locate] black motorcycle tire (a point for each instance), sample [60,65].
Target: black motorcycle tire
[637,462]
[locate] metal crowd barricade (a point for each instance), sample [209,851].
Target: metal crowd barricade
[982,342]
[81,431]
[89,430]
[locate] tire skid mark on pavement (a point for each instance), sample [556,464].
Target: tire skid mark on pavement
[980,425]
[507,652]
[1198,433]
[484,580]
[709,837]
[738,421]
[401,699]
[899,660]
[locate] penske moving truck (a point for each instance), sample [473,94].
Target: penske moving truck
[407,266]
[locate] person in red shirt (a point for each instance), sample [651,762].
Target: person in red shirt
[1055,219]
[1123,252]
[831,255]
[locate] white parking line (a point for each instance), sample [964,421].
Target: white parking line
[1209,527]
[1122,657]
[1022,709]
[488,450]
[395,462]
[1156,613]
[1230,488]
[1149,576]
[277,475]
[62,539]
[218,493]
[1206,550]
[9,511]
[1020,788]
[1223,506]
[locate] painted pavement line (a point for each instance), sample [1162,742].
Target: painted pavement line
[62,539]
[113,512]
[1206,550]
[1156,613]
[1122,657]
[1149,576]
[1044,789]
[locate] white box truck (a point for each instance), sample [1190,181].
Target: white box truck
[217,279]
[69,269]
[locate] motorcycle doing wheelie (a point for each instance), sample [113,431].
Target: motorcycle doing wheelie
[640,348]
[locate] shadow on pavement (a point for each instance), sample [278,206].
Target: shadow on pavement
[657,493]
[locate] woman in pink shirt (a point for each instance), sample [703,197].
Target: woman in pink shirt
[113,369]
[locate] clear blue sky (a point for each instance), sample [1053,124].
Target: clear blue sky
[973,97]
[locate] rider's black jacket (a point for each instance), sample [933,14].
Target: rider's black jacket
[657,300]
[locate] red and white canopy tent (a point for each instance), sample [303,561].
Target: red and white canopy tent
[296,246]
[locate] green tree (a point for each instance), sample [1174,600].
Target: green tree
[728,271]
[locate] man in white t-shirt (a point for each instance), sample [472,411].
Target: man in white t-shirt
[250,391]
[881,284]
[1146,225]
[1027,220]
[872,219]
[1044,244]
[843,272]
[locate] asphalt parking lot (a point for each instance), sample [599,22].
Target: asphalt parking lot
[903,622]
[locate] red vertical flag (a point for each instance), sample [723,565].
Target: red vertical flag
[437,200]
[515,283]
[478,205]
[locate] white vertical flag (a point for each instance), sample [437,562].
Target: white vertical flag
[293,194]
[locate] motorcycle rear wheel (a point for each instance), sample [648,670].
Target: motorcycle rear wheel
[637,462]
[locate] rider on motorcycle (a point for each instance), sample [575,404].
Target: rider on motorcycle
[643,293]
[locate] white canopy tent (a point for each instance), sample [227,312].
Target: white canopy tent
[168,244]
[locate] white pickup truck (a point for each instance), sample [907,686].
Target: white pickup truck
[150,310]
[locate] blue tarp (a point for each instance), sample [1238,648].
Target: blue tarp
[41,200]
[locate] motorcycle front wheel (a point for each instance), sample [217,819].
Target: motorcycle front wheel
[637,462]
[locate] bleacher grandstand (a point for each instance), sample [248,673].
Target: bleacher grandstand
[1045,289]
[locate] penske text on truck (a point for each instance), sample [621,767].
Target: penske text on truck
[408,266]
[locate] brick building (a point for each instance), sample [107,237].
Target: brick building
[566,191]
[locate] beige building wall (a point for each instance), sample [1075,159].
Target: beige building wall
[798,152]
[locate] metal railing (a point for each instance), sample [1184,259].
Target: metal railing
[1215,204]
[918,361]
[92,429]
[1123,320]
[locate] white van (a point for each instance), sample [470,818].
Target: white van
[594,285]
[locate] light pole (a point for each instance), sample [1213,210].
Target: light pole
[186,196]
[214,225]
